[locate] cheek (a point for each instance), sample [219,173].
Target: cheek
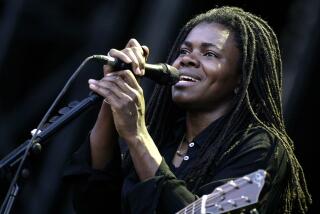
[218,72]
[213,67]
[176,63]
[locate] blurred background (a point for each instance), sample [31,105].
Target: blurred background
[43,42]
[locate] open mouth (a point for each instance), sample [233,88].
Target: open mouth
[188,79]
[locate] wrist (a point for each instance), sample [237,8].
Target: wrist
[141,136]
[145,155]
[143,147]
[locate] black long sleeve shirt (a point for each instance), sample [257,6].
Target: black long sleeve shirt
[100,191]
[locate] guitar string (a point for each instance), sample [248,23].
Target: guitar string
[213,196]
[198,208]
[237,200]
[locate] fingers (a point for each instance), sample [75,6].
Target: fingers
[120,86]
[128,79]
[120,55]
[138,60]
[146,51]
[116,54]
[133,54]
[107,69]
[142,50]
[122,98]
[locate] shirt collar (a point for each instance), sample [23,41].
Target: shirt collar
[204,134]
[201,137]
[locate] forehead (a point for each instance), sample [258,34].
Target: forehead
[213,33]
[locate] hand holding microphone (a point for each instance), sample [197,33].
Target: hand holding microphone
[121,89]
[124,106]
[133,58]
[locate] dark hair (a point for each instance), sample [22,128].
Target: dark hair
[258,102]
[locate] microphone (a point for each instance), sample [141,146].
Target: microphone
[161,73]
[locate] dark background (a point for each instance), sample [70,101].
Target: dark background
[43,42]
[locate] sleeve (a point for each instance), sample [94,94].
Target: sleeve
[163,193]
[93,190]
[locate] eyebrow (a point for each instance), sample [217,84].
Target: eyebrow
[203,44]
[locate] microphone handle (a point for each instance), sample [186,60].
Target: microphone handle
[162,74]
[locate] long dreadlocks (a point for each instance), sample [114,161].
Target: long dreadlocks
[257,103]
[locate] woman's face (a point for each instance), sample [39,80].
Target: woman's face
[208,62]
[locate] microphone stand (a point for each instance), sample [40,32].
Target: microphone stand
[17,154]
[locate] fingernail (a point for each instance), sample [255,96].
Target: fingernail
[92,86]
[92,81]
[138,71]
[110,74]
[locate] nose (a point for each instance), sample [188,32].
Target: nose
[189,60]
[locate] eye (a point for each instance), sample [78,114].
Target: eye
[210,54]
[183,51]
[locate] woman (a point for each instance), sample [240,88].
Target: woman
[222,120]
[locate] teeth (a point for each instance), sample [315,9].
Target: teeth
[187,78]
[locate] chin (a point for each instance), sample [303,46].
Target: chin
[183,103]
